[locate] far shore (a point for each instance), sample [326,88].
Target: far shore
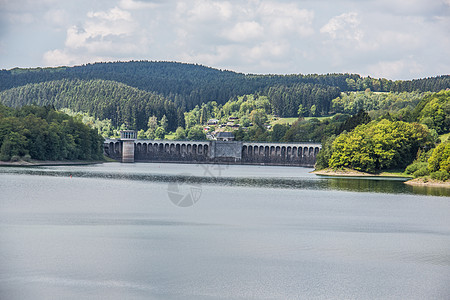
[36,163]
[353,173]
[428,182]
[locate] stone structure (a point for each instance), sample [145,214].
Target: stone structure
[285,154]
[128,137]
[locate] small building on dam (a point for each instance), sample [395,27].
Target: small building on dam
[130,149]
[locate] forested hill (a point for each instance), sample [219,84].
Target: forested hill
[188,85]
[102,99]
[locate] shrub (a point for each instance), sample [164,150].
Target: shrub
[415,166]
[441,175]
[15,158]
[421,172]
[4,157]
[27,157]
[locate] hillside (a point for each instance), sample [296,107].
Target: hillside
[188,85]
[102,99]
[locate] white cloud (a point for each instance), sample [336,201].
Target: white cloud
[396,69]
[245,31]
[108,33]
[133,5]
[205,10]
[344,26]
[115,14]
[240,33]
[286,18]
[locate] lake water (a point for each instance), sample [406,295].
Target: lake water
[172,231]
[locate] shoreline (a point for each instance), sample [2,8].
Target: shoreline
[354,173]
[408,180]
[38,163]
[428,183]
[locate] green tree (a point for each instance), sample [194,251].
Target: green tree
[379,145]
[164,123]
[160,133]
[152,123]
[301,111]
[440,158]
[180,134]
[196,133]
[141,134]
[313,111]
[278,132]
[325,153]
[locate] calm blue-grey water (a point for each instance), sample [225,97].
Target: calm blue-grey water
[117,231]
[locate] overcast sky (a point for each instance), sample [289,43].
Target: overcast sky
[395,39]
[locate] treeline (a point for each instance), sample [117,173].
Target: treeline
[188,85]
[42,133]
[99,98]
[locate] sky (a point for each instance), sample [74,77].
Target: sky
[393,39]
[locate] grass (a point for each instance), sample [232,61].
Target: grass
[170,136]
[283,121]
[291,121]
[395,173]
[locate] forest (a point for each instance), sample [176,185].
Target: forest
[188,85]
[42,133]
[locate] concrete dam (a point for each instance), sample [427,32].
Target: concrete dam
[130,149]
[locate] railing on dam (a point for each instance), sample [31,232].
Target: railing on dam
[297,154]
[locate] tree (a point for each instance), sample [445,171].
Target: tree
[258,117]
[360,118]
[301,111]
[152,123]
[379,145]
[196,133]
[313,110]
[180,134]
[278,132]
[325,153]
[440,158]
[141,134]
[160,133]
[164,122]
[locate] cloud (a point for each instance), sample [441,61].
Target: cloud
[396,68]
[204,10]
[344,26]
[245,31]
[133,5]
[104,33]
[251,36]
[240,33]
[286,18]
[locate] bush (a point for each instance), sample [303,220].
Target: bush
[441,175]
[415,166]
[27,157]
[15,158]
[4,157]
[421,172]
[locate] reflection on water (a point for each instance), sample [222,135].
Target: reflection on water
[259,176]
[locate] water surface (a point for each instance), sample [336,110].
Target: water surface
[111,231]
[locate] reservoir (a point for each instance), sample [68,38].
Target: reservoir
[186,231]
